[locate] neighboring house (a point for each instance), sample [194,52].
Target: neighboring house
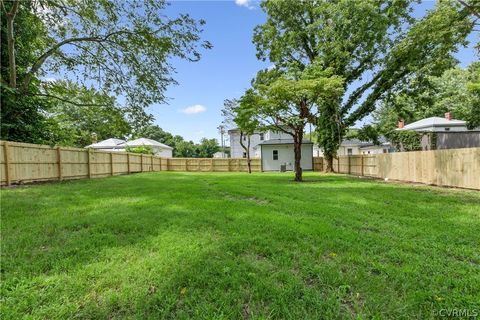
[117,145]
[443,133]
[356,147]
[159,149]
[275,148]
[108,145]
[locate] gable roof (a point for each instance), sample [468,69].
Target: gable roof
[146,142]
[428,124]
[106,144]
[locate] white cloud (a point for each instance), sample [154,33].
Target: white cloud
[244,3]
[196,108]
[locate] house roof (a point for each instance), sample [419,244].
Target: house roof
[106,144]
[283,141]
[362,144]
[146,142]
[432,122]
[355,142]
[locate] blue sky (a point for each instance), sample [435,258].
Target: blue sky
[226,70]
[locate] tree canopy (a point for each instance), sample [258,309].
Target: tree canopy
[123,49]
[372,45]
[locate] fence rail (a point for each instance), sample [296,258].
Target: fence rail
[25,162]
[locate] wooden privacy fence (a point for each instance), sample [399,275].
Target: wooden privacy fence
[24,162]
[452,167]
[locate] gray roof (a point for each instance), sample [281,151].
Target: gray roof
[355,142]
[283,141]
[428,124]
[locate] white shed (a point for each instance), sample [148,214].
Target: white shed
[277,152]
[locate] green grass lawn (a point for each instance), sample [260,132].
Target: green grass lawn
[225,246]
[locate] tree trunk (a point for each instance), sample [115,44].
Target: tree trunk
[329,160]
[249,161]
[247,151]
[297,147]
[11,45]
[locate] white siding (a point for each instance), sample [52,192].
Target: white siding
[286,155]
[236,149]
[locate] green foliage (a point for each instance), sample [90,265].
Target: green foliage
[405,140]
[353,39]
[140,149]
[186,245]
[207,148]
[123,47]
[456,90]
[87,111]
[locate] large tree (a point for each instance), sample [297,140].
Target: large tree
[124,48]
[286,100]
[372,45]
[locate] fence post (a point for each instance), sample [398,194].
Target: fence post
[362,165]
[8,171]
[338,164]
[128,162]
[59,161]
[211,164]
[111,163]
[186,164]
[89,164]
[151,162]
[141,162]
[349,164]
[168,164]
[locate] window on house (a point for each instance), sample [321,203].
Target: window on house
[244,154]
[244,138]
[368,152]
[349,151]
[447,129]
[261,136]
[275,154]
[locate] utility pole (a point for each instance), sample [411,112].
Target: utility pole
[221,130]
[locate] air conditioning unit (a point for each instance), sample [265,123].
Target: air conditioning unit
[283,167]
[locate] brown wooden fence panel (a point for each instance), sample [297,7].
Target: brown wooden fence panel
[452,167]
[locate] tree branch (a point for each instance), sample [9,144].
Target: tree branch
[470,7]
[67,101]
[357,94]
[41,60]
